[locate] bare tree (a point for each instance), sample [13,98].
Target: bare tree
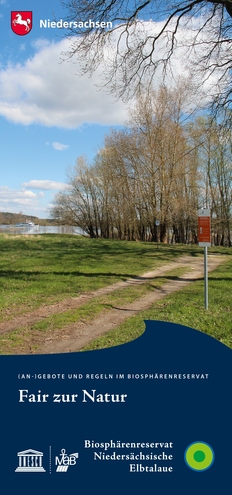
[215,171]
[79,204]
[150,171]
[150,178]
[136,39]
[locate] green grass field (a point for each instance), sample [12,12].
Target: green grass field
[36,270]
[43,269]
[185,308]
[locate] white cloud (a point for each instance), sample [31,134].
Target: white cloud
[18,200]
[40,43]
[47,91]
[46,185]
[27,201]
[60,146]
[15,196]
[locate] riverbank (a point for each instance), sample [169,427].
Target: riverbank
[39,230]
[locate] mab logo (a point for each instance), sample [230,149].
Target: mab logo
[21,22]
[63,461]
[31,461]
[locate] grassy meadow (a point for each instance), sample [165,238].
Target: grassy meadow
[185,307]
[39,270]
[44,269]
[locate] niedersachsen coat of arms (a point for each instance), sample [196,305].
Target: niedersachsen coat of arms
[21,22]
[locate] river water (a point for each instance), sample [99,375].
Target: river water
[37,229]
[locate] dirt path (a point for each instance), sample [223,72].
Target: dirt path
[75,302]
[78,335]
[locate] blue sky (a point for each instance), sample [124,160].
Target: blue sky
[48,115]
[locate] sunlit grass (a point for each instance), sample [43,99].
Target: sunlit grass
[30,337]
[185,307]
[43,269]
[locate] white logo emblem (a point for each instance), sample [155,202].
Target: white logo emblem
[63,461]
[30,461]
[23,22]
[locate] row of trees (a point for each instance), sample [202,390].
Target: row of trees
[149,180]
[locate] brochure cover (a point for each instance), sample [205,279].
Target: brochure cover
[115,364]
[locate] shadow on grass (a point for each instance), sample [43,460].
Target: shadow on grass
[20,274]
[23,274]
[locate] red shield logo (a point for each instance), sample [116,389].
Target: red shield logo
[21,22]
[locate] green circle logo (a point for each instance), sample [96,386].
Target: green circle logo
[199,456]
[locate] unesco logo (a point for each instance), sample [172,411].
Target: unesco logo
[31,461]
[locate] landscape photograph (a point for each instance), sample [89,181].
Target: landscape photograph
[116,138]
